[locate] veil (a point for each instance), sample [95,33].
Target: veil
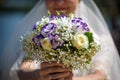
[107,59]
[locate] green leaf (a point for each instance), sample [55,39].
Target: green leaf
[90,36]
[58,13]
[39,27]
[49,13]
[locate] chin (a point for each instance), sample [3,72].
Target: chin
[66,12]
[62,13]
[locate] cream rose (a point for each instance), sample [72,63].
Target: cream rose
[80,41]
[46,44]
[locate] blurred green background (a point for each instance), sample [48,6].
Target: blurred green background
[12,11]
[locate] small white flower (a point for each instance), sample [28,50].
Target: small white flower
[37,23]
[80,41]
[44,20]
[46,44]
[29,37]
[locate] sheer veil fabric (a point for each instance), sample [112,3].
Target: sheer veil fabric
[107,60]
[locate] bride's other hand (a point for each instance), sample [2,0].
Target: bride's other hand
[55,71]
[97,75]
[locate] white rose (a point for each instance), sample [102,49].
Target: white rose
[80,41]
[46,44]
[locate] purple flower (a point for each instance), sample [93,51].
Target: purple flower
[76,20]
[62,16]
[79,18]
[37,39]
[55,40]
[48,29]
[80,25]
[73,20]
[53,17]
[34,27]
[85,26]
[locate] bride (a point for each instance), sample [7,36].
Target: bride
[106,61]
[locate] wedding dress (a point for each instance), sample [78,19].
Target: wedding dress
[107,60]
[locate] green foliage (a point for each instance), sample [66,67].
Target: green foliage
[90,36]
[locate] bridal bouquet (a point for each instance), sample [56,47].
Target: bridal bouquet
[65,39]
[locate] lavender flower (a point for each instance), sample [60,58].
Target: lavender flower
[80,25]
[55,41]
[62,16]
[48,29]
[84,26]
[34,27]
[53,17]
[37,39]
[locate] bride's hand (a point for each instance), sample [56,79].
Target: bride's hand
[55,71]
[48,71]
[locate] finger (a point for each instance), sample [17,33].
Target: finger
[51,64]
[62,79]
[59,75]
[52,70]
[69,77]
[27,66]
